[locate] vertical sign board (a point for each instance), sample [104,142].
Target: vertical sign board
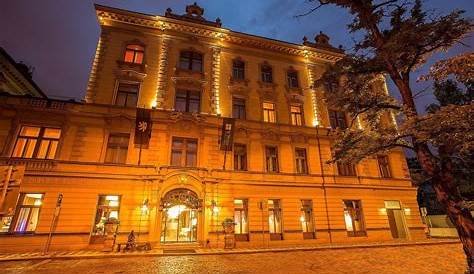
[143,125]
[227,136]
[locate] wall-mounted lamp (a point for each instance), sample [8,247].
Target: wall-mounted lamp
[144,208]
[214,207]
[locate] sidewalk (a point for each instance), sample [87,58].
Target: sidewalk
[89,254]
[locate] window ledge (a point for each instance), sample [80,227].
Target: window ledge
[132,66]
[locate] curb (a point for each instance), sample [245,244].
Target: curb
[218,252]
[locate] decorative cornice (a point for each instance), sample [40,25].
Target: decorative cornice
[162,23]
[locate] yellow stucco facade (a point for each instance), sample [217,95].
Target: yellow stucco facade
[360,207]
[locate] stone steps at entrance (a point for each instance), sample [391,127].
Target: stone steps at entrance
[178,248]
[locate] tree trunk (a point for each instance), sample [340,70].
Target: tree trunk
[448,194]
[443,182]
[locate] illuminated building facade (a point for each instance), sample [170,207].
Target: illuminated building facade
[275,186]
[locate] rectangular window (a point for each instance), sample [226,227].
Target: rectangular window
[301,161]
[241,219]
[188,101]
[353,218]
[269,113]
[127,95]
[37,142]
[238,108]
[117,148]
[292,77]
[134,54]
[296,115]
[184,152]
[384,166]
[238,70]
[271,157]
[189,60]
[27,214]
[274,219]
[306,219]
[108,207]
[337,119]
[240,157]
[267,74]
[346,169]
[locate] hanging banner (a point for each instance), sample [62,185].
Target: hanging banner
[143,126]
[227,136]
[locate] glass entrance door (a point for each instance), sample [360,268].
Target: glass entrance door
[179,224]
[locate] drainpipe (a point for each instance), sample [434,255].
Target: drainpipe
[324,183]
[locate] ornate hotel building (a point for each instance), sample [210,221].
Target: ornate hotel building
[71,169]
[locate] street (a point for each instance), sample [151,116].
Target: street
[432,259]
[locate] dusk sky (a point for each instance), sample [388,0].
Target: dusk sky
[58,38]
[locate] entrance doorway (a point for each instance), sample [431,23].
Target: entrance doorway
[180,216]
[396,220]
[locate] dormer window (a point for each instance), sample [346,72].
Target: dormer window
[134,54]
[238,70]
[292,77]
[267,74]
[190,60]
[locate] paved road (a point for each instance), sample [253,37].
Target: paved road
[427,259]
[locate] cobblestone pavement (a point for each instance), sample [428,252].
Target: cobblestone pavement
[426,259]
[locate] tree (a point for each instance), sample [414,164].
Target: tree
[397,38]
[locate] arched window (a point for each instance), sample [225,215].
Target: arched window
[190,60]
[134,54]
[267,74]
[238,70]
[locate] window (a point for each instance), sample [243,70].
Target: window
[238,108]
[301,162]
[240,157]
[269,113]
[37,142]
[296,115]
[337,119]
[108,207]
[267,74]
[117,148]
[187,101]
[274,219]
[238,70]
[306,219]
[241,219]
[346,169]
[134,54]
[292,77]
[27,214]
[384,166]
[127,95]
[353,218]
[184,152]
[271,154]
[190,60]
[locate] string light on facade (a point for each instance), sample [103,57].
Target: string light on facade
[162,72]
[215,82]
[314,100]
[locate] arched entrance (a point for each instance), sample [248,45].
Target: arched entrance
[180,216]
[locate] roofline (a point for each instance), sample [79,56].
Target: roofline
[99,7]
[14,63]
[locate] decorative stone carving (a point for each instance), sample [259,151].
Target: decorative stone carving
[299,138]
[194,13]
[176,116]
[321,41]
[270,135]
